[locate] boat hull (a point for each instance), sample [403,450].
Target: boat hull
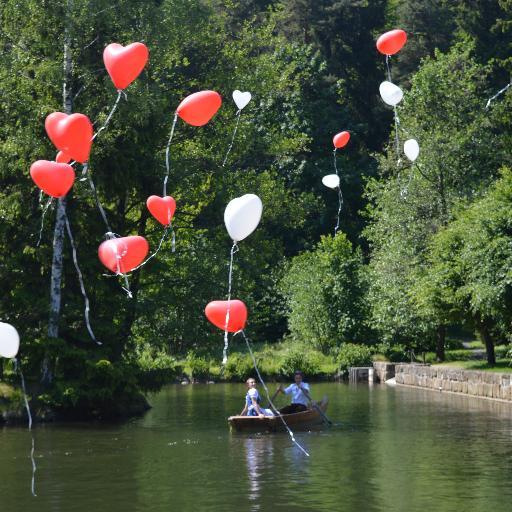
[297,421]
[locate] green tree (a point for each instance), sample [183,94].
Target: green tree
[471,262]
[324,291]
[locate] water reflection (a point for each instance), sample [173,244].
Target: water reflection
[259,453]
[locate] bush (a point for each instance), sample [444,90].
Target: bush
[394,353]
[303,359]
[156,368]
[350,354]
[199,366]
[239,367]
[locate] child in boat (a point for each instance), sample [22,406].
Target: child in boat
[300,394]
[252,402]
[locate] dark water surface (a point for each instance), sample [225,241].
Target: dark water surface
[395,449]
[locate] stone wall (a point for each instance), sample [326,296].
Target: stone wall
[456,380]
[384,371]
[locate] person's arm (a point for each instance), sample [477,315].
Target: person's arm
[244,410]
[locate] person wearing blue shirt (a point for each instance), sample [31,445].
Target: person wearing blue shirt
[252,402]
[299,391]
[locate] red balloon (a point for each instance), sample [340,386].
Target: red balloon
[391,42]
[216,313]
[198,108]
[162,208]
[71,134]
[52,178]
[62,158]
[340,140]
[125,63]
[120,255]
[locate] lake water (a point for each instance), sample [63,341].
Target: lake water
[393,449]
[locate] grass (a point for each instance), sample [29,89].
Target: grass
[502,365]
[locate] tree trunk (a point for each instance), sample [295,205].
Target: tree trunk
[440,343]
[485,334]
[60,223]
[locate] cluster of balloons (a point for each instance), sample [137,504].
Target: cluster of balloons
[340,140]
[73,136]
[389,44]
[241,217]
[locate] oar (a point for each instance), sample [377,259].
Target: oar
[274,397]
[324,416]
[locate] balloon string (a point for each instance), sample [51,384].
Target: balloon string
[397,121]
[388,68]
[87,173]
[335,163]
[340,204]
[81,280]
[238,115]
[17,367]
[167,150]
[109,117]
[234,250]
[397,137]
[499,93]
[45,209]
[290,432]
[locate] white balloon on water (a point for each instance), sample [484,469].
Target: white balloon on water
[411,149]
[331,181]
[9,341]
[390,93]
[241,98]
[242,216]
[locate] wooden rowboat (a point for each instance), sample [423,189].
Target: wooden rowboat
[297,421]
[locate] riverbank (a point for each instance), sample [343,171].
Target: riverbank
[480,384]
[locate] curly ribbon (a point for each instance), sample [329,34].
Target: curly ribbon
[17,368]
[81,280]
[87,173]
[340,205]
[230,147]
[289,430]
[45,209]
[499,93]
[167,151]
[234,250]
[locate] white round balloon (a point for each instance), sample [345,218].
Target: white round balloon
[9,341]
[331,181]
[411,149]
[242,216]
[390,93]
[241,98]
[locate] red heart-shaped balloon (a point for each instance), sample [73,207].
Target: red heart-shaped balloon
[125,63]
[341,139]
[120,255]
[71,134]
[62,158]
[198,108]
[216,313]
[391,42]
[52,178]
[162,208]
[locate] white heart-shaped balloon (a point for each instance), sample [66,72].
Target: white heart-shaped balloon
[9,341]
[242,216]
[411,149]
[331,181]
[241,98]
[390,93]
